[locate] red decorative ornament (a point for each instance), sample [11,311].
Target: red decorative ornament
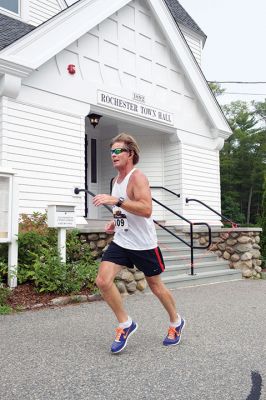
[71,69]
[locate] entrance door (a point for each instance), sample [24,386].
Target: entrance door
[92,171]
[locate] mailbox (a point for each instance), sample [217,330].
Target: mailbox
[6,184]
[61,216]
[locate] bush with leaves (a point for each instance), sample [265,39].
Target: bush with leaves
[39,261]
[4,295]
[50,274]
[3,271]
[34,236]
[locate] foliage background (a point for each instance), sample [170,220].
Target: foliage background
[243,165]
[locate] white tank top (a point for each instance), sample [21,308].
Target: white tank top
[140,233]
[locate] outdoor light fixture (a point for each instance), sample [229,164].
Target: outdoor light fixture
[94,119]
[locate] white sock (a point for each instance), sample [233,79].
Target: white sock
[177,323]
[126,324]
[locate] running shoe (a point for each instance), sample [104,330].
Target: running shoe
[174,334]
[122,336]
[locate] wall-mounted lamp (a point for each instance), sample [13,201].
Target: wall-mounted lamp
[94,119]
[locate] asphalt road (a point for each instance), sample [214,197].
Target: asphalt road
[63,353]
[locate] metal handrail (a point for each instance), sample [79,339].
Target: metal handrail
[234,225]
[192,247]
[191,224]
[164,188]
[77,191]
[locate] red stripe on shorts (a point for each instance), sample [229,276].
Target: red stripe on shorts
[159,258]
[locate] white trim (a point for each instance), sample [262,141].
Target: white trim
[187,60]
[24,10]
[26,51]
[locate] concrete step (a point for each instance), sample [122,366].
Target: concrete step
[172,258]
[176,269]
[163,233]
[183,251]
[202,278]
[174,242]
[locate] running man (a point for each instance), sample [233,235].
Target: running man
[134,242]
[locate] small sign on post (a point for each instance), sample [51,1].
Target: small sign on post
[61,216]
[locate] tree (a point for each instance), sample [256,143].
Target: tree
[216,88]
[243,161]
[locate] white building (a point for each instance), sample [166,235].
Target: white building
[135,63]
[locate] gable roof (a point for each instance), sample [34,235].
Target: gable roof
[12,29]
[181,16]
[21,58]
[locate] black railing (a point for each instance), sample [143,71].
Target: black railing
[164,188]
[192,247]
[191,224]
[77,191]
[223,218]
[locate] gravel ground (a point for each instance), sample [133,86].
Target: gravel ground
[63,353]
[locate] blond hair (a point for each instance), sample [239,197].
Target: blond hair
[130,143]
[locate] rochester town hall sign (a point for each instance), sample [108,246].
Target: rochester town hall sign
[135,107]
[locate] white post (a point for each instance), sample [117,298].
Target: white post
[13,245]
[61,235]
[12,263]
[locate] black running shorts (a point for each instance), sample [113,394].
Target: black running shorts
[150,262]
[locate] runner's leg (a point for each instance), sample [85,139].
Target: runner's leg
[164,295]
[109,291]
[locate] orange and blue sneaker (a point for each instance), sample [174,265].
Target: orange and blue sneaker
[121,338]
[174,334]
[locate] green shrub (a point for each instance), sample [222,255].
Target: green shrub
[3,252]
[50,274]
[5,309]
[34,236]
[3,271]
[39,262]
[4,295]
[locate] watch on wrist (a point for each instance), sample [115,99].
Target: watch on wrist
[120,201]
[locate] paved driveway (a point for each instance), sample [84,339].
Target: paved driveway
[63,353]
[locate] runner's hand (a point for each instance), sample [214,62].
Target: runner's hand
[110,227]
[102,199]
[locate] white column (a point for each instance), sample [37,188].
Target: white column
[61,235]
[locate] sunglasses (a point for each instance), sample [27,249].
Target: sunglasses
[118,150]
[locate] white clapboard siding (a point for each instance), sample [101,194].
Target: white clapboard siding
[42,10]
[172,178]
[201,180]
[151,162]
[194,41]
[46,149]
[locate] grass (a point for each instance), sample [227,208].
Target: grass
[5,309]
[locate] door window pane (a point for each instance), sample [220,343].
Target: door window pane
[11,5]
[93,161]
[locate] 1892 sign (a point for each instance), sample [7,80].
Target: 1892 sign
[138,97]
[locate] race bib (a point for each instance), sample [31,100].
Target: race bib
[120,219]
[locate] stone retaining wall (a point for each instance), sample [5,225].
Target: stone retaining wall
[239,246]
[128,280]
